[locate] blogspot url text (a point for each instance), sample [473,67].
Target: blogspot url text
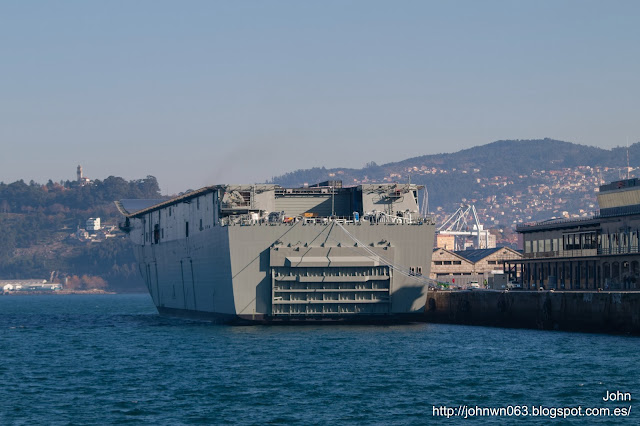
[465,411]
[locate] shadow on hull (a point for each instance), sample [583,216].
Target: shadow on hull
[229,319]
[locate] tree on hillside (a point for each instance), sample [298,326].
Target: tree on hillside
[34,216]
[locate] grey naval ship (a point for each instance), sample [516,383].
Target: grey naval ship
[267,254]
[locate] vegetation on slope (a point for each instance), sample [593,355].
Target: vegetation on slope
[36,221]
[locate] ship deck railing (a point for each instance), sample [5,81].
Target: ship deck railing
[326,220]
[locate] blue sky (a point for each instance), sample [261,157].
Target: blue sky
[204,92]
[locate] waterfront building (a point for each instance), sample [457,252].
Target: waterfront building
[597,252]
[462,267]
[27,285]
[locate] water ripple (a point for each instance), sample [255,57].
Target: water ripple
[112,359]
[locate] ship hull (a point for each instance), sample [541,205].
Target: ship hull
[256,274]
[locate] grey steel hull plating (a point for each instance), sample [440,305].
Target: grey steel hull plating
[226,274]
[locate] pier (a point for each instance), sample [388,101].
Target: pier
[614,312]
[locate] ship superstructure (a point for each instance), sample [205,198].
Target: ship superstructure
[264,253]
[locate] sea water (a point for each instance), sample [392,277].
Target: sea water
[104,359]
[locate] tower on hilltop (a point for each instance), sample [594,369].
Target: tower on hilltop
[82,180]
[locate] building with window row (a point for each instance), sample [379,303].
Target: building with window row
[599,252]
[465,266]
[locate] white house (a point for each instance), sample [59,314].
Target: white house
[93,224]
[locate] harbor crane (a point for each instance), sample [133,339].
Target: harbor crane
[464,223]
[424,208]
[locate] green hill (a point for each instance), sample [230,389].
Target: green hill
[36,222]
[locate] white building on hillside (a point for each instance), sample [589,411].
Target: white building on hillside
[93,224]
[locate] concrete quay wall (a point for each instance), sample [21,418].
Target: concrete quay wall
[614,312]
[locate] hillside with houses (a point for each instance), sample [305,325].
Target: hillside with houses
[509,182]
